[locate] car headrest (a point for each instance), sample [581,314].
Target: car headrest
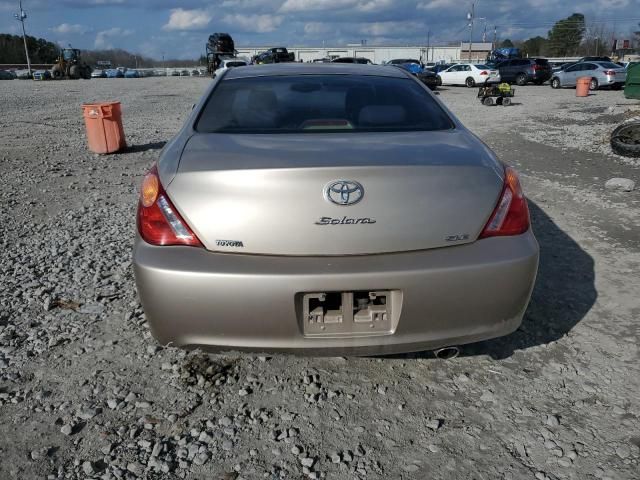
[356,98]
[373,115]
[263,99]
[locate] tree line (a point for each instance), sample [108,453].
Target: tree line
[570,37]
[42,51]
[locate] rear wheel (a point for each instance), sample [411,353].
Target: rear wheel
[555,83]
[506,102]
[487,102]
[56,72]
[521,80]
[593,84]
[470,82]
[74,72]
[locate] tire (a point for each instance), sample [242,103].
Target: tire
[506,101]
[487,102]
[470,82]
[439,81]
[625,140]
[521,80]
[86,73]
[593,85]
[555,83]
[56,72]
[74,72]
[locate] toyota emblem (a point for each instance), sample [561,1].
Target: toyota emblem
[343,192]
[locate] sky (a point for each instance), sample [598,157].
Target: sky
[179,29]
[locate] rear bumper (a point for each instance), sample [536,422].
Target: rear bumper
[451,296]
[541,77]
[610,81]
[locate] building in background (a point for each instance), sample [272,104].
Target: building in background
[479,51]
[380,54]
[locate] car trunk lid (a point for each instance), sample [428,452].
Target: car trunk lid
[268,194]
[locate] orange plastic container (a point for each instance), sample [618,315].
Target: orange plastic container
[582,86]
[103,122]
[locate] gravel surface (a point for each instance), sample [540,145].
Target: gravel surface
[85,392]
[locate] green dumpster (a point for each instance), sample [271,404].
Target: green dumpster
[632,88]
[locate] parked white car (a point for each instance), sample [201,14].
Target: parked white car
[469,74]
[228,63]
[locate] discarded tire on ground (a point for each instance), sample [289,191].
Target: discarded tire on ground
[625,140]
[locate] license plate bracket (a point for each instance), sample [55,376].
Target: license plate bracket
[350,314]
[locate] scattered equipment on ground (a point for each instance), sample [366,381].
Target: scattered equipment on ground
[625,139]
[496,94]
[220,45]
[70,65]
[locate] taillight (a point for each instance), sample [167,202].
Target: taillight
[511,215]
[484,73]
[159,223]
[610,73]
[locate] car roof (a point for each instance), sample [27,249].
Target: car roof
[293,68]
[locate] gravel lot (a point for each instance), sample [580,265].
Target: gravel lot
[85,392]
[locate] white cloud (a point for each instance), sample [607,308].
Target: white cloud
[392,29]
[181,19]
[375,5]
[440,4]
[308,5]
[65,28]
[254,23]
[103,38]
[316,28]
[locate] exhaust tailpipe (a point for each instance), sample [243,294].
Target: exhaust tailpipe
[447,353]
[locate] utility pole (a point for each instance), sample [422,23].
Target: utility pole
[428,43]
[470,17]
[495,37]
[21,17]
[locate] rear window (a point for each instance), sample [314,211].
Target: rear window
[320,103]
[482,67]
[609,65]
[542,61]
[235,64]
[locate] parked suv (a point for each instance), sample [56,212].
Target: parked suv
[524,70]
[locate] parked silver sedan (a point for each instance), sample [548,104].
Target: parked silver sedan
[602,74]
[330,209]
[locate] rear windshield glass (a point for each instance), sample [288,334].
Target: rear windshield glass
[609,65]
[542,61]
[482,67]
[320,103]
[235,64]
